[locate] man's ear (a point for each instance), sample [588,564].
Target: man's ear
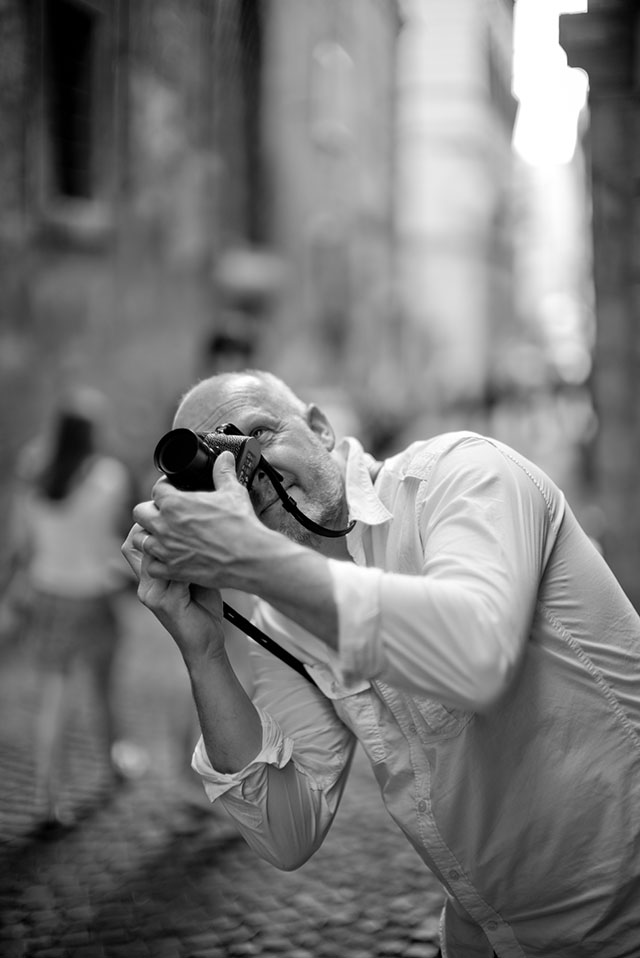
[318,423]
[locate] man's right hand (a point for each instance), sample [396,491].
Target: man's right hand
[191,614]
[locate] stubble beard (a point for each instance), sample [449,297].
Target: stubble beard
[327,513]
[327,516]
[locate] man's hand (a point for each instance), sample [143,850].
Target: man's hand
[191,614]
[231,726]
[207,538]
[215,539]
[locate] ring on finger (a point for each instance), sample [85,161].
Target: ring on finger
[143,543]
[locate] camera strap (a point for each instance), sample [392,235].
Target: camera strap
[263,640]
[291,505]
[239,620]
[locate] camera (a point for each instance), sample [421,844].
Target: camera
[187,457]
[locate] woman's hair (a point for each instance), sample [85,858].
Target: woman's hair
[73,443]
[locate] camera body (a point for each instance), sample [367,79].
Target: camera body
[186,457]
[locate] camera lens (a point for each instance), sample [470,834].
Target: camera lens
[176,451]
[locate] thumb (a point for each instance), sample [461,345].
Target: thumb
[224,470]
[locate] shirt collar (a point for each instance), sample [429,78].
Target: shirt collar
[360,469]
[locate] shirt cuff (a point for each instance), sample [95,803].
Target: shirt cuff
[276,750]
[357,596]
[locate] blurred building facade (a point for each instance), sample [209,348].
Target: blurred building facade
[172,170]
[388,134]
[329,104]
[128,133]
[605,42]
[454,190]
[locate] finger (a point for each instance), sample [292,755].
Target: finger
[161,488]
[140,542]
[150,589]
[144,514]
[129,542]
[224,470]
[148,545]
[132,554]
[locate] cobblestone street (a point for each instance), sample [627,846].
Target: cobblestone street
[151,871]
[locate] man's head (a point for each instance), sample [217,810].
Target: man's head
[296,439]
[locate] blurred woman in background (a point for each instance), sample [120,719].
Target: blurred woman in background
[72,580]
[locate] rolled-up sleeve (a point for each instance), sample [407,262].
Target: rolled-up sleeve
[276,750]
[283,802]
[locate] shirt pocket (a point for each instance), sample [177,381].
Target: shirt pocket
[432,720]
[359,713]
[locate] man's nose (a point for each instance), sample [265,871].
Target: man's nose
[266,477]
[260,481]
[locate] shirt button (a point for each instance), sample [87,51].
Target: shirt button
[413,729]
[492,925]
[454,875]
[422,806]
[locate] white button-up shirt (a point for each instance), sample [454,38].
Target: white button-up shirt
[489,664]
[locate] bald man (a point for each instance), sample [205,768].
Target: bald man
[464,630]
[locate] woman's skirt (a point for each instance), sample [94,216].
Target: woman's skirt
[62,631]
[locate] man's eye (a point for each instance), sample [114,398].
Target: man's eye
[259,433]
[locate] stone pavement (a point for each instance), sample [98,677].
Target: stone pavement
[151,871]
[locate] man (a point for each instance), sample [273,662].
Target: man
[465,631]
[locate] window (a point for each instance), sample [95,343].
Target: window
[76,117]
[70,53]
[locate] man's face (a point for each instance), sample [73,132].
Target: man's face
[295,440]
